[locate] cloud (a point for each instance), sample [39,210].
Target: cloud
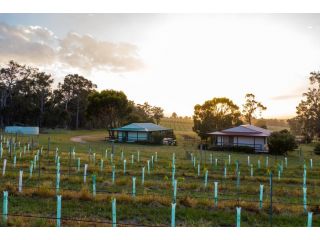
[87,53]
[39,45]
[26,44]
[288,96]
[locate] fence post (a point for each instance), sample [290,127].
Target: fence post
[309,224]
[142,177]
[173,214]
[113,174]
[238,180]
[304,177]
[111,158]
[85,173]
[173,158]
[148,166]
[114,212]
[20,180]
[286,161]
[304,198]
[175,191]
[152,163]
[270,218]
[31,169]
[215,194]
[173,174]
[5,207]
[101,165]
[206,179]
[237,165]
[4,167]
[261,195]
[124,166]
[133,186]
[14,161]
[58,210]
[58,178]
[94,185]
[238,216]
[198,169]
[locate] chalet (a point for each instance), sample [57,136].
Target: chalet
[140,132]
[243,135]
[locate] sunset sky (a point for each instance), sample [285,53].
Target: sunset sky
[174,60]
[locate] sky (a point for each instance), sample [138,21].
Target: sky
[174,60]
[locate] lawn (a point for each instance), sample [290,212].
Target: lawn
[195,205]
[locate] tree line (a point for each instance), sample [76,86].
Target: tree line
[28,97]
[307,121]
[221,113]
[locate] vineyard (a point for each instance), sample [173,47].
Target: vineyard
[51,181]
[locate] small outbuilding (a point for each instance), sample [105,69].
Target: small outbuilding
[22,130]
[140,132]
[243,135]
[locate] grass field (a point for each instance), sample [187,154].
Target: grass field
[195,205]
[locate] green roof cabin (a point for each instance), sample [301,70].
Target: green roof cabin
[140,132]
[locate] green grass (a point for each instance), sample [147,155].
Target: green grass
[36,205]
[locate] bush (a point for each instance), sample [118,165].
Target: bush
[316,149]
[281,142]
[244,149]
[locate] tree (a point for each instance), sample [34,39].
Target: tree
[10,76]
[214,115]
[250,107]
[40,87]
[108,109]
[295,126]
[75,91]
[157,114]
[308,110]
[174,115]
[281,142]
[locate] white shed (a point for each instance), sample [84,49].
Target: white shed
[243,135]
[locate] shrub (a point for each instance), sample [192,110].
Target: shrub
[281,142]
[316,149]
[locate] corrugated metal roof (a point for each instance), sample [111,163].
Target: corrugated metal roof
[141,127]
[244,130]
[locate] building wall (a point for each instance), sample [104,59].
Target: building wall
[22,130]
[120,136]
[133,136]
[137,136]
[242,141]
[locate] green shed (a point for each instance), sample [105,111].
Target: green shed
[140,132]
